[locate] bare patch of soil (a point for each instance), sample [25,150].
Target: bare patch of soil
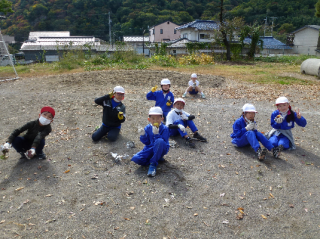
[213,191]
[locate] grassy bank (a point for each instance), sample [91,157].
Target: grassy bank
[276,70]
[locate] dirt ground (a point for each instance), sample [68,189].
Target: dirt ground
[213,191]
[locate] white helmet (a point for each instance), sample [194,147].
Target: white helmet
[118,89]
[179,100]
[282,100]
[194,75]
[249,108]
[155,111]
[165,82]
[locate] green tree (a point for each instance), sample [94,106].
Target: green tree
[317,14]
[5,6]
[253,32]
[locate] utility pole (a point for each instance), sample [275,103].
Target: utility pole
[143,41]
[273,18]
[265,26]
[110,37]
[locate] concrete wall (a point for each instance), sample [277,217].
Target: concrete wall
[168,32]
[305,41]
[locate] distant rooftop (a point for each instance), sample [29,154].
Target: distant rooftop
[49,34]
[269,43]
[316,27]
[135,39]
[205,25]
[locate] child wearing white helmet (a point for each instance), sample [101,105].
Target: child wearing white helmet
[163,97]
[194,87]
[178,120]
[282,121]
[155,136]
[114,114]
[245,132]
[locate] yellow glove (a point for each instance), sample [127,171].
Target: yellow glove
[111,94]
[120,115]
[153,89]
[169,103]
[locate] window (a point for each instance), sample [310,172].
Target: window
[174,31]
[185,35]
[204,36]
[174,51]
[153,31]
[161,31]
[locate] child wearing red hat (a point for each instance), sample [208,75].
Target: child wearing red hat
[32,143]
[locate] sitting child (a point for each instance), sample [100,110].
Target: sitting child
[245,133]
[114,113]
[155,136]
[163,97]
[282,121]
[193,87]
[32,143]
[178,120]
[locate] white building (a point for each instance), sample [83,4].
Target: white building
[306,40]
[137,43]
[199,30]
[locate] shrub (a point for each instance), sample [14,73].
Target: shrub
[164,60]
[195,59]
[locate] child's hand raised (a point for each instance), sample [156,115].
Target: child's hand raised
[298,114]
[153,89]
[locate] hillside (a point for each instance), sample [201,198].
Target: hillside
[129,17]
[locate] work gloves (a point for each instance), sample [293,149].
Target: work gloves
[153,89]
[30,153]
[182,128]
[250,126]
[184,117]
[278,119]
[111,94]
[141,131]
[120,115]
[169,103]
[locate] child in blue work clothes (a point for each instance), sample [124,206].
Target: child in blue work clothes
[114,114]
[178,120]
[245,133]
[155,136]
[164,98]
[282,121]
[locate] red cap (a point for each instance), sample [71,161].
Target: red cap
[48,109]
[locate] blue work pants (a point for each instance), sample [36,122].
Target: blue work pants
[112,132]
[252,138]
[151,155]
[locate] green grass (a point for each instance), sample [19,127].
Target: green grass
[270,70]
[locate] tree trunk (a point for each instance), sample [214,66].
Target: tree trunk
[224,34]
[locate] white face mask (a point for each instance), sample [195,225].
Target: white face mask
[44,121]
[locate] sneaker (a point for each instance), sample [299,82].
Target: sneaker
[203,96]
[23,156]
[261,153]
[199,137]
[190,143]
[277,151]
[152,170]
[162,160]
[42,156]
[184,95]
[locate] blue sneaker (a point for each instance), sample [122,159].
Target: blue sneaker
[152,170]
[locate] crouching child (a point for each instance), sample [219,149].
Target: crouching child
[32,143]
[155,136]
[178,120]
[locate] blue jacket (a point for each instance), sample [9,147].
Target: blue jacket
[239,128]
[285,125]
[161,100]
[149,138]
